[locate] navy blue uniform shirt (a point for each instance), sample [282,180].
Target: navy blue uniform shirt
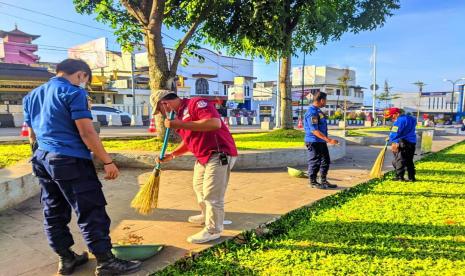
[315,119]
[404,128]
[51,109]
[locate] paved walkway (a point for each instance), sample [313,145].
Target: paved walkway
[253,197]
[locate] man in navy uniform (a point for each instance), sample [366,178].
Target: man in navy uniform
[60,124]
[403,138]
[316,137]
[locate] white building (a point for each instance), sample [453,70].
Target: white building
[436,104]
[209,77]
[324,79]
[264,100]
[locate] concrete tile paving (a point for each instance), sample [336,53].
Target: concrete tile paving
[253,197]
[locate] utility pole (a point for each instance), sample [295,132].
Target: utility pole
[373,85]
[420,85]
[374,82]
[278,98]
[453,93]
[302,97]
[133,85]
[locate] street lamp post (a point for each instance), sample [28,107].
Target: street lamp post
[453,92]
[302,96]
[420,85]
[373,85]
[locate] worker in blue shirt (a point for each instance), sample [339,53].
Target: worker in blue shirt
[316,137]
[60,124]
[403,138]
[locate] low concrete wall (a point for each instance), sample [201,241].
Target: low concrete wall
[447,131]
[366,140]
[16,185]
[261,159]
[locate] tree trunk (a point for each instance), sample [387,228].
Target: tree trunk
[159,73]
[286,94]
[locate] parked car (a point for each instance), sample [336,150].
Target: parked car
[101,113]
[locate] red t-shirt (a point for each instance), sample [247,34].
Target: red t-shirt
[203,143]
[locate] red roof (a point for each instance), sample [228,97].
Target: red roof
[17,32]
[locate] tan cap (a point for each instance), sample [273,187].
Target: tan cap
[156,97]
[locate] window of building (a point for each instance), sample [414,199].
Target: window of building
[246,91]
[442,103]
[201,87]
[226,87]
[429,103]
[338,92]
[434,102]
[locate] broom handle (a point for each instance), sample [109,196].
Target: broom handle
[165,141]
[387,140]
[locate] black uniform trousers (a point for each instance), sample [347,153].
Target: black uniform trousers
[403,159]
[318,159]
[71,183]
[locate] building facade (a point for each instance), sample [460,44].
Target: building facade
[264,100]
[210,76]
[437,104]
[325,79]
[16,47]
[16,80]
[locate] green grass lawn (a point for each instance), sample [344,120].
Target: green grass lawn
[12,153]
[377,228]
[244,141]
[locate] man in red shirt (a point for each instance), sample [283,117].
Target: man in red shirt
[205,135]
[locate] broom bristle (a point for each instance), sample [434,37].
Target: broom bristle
[147,197]
[377,170]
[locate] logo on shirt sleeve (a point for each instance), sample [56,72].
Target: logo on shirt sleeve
[202,104]
[314,120]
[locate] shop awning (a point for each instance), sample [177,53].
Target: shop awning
[18,85]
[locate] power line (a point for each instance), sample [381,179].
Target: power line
[43,24]
[56,48]
[53,16]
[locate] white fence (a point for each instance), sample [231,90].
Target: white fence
[141,110]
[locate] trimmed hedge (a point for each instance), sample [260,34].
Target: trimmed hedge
[380,227]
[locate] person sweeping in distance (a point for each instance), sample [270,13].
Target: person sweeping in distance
[205,135]
[403,138]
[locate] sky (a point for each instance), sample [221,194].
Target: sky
[424,40]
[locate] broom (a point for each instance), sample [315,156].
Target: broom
[147,197]
[377,170]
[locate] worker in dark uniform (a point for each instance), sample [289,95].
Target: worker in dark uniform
[316,137]
[60,124]
[403,138]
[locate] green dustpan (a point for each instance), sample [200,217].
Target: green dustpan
[296,173]
[138,252]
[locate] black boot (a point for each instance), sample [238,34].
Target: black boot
[314,183]
[398,178]
[108,265]
[70,260]
[325,182]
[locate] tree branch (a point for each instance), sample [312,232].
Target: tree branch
[135,11]
[185,40]
[156,14]
[295,11]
